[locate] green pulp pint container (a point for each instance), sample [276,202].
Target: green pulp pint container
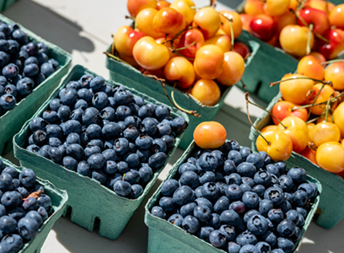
[12,121]
[88,199]
[59,200]
[168,238]
[4,4]
[125,73]
[332,197]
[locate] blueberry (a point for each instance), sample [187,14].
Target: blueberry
[238,207]
[188,209]
[11,199]
[300,198]
[121,146]
[285,244]
[183,195]
[99,175]
[169,186]
[276,215]
[11,90]
[122,111]
[4,57]
[33,148]
[250,199]
[217,238]
[229,167]
[47,69]
[281,166]
[90,116]
[297,234]
[8,225]
[80,103]
[111,130]
[285,206]
[230,217]
[96,161]
[64,112]
[76,151]
[157,160]
[108,113]
[28,228]
[94,131]
[256,160]
[27,177]
[297,174]
[122,167]
[179,125]
[69,162]
[14,242]
[45,201]
[262,177]
[203,233]
[248,180]
[132,159]
[189,178]
[7,102]
[210,190]
[143,154]
[187,167]
[84,168]
[176,219]
[245,152]
[100,100]
[123,96]
[164,129]
[123,188]
[274,194]
[132,121]
[233,192]
[55,154]
[233,247]
[221,204]
[158,145]
[97,83]
[302,211]
[309,189]
[246,238]
[248,249]
[286,182]
[35,216]
[13,47]
[10,71]
[264,206]
[31,69]
[43,212]
[286,228]
[246,169]
[132,176]
[149,126]
[202,213]
[263,247]
[90,150]
[273,169]
[214,221]
[145,111]
[190,224]
[235,156]
[257,224]
[208,176]
[146,174]
[204,202]
[208,161]
[229,232]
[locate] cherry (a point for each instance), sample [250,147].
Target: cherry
[268,128]
[336,16]
[276,7]
[241,49]
[325,132]
[210,135]
[208,19]
[316,17]
[168,21]
[125,39]
[335,46]
[135,6]
[208,62]
[222,41]
[263,27]
[335,74]
[310,154]
[330,157]
[162,4]
[311,67]
[184,7]
[179,68]
[144,22]
[338,117]
[324,93]
[318,56]
[206,91]
[246,20]
[232,70]
[225,16]
[191,40]
[283,109]
[294,40]
[254,7]
[283,20]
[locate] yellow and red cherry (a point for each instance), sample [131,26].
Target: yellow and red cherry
[168,21]
[241,49]
[335,46]
[185,9]
[144,22]
[325,132]
[310,154]
[311,67]
[323,95]
[294,40]
[246,20]
[191,40]
[222,41]
[210,134]
[297,130]
[318,56]
[310,128]
[276,7]
[208,19]
[263,27]
[254,7]
[162,4]
[338,117]
[330,157]
[336,16]
[287,18]
[319,5]
[180,69]
[206,91]
[283,109]
[233,69]
[208,62]
[225,16]
[279,146]
[167,42]
[296,90]
[318,18]
[268,128]
[335,74]
[293,4]
[125,39]
[149,54]
[135,6]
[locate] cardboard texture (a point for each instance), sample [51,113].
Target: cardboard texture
[59,200]
[11,121]
[125,73]
[4,4]
[332,197]
[88,199]
[166,237]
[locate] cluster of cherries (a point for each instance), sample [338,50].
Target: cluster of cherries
[190,47]
[298,27]
[310,118]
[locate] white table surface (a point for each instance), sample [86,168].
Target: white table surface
[83,28]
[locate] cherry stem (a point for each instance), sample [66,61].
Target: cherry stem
[181,48]
[312,146]
[133,19]
[328,108]
[115,57]
[316,97]
[248,101]
[272,84]
[231,28]
[243,84]
[191,112]
[301,4]
[321,103]
[332,61]
[249,119]
[309,39]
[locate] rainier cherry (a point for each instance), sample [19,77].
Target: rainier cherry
[225,16]
[191,40]
[294,39]
[316,17]
[241,49]
[276,7]
[325,132]
[335,74]
[310,154]
[246,20]
[210,134]
[311,67]
[287,18]
[330,157]
[162,4]
[323,95]
[179,68]
[254,7]
[206,91]
[208,19]
[233,69]
[168,21]
[125,39]
[283,109]
[338,117]
[222,41]
[149,54]
[296,90]
[144,22]
[135,6]
[336,16]
[268,128]
[185,9]
[335,46]
[208,62]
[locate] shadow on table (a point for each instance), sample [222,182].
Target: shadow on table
[50,26]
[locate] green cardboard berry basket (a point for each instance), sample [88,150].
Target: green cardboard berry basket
[125,73]
[332,197]
[88,199]
[4,4]
[59,200]
[12,121]
[166,237]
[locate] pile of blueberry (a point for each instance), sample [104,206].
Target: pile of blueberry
[237,200]
[23,209]
[106,133]
[23,64]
